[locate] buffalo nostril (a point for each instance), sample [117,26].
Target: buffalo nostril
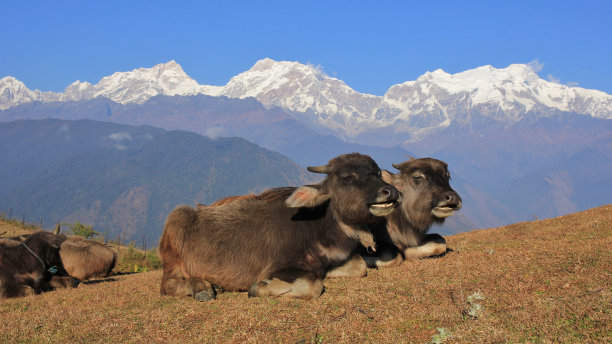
[451,198]
[389,192]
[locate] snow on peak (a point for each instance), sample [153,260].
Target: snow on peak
[516,89]
[135,86]
[268,75]
[436,99]
[14,92]
[9,80]
[140,84]
[10,84]
[303,89]
[477,78]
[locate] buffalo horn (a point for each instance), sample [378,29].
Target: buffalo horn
[318,169]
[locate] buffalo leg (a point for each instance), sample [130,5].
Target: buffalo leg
[174,283]
[431,245]
[386,257]
[202,290]
[57,282]
[16,290]
[354,267]
[290,283]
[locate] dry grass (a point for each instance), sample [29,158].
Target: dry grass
[13,227]
[547,281]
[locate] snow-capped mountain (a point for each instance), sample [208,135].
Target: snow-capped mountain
[435,100]
[305,89]
[136,86]
[14,92]
[139,85]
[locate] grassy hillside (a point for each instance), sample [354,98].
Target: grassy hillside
[546,281]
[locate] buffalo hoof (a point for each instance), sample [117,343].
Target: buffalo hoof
[218,289]
[255,286]
[205,295]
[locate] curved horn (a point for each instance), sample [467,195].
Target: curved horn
[57,229]
[319,169]
[396,166]
[410,157]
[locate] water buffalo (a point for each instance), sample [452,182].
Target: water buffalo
[281,242]
[32,266]
[82,258]
[427,199]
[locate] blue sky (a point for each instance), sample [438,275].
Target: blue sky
[371,45]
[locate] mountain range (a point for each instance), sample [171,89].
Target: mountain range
[518,146]
[433,101]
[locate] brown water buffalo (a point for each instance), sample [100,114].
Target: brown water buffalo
[84,259]
[32,266]
[354,267]
[427,199]
[281,242]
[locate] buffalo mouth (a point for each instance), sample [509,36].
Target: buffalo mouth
[383,208]
[445,210]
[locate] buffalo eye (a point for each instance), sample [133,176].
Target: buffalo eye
[418,178]
[348,178]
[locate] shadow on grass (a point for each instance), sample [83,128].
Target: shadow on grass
[448,251]
[110,278]
[97,281]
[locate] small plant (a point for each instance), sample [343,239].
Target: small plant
[441,336]
[82,230]
[135,260]
[474,309]
[140,268]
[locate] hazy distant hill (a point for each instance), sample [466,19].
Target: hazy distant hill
[126,178]
[272,128]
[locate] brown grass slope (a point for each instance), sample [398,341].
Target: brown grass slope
[546,281]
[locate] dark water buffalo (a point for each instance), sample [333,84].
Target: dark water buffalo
[281,242]
[427,199]
[32,266]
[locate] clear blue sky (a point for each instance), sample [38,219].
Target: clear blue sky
[371,45]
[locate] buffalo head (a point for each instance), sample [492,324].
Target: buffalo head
[354,187]
[427,194]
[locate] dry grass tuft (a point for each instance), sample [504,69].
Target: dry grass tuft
[547,281]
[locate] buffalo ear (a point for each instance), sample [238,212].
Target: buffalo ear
[307,196]
[392,178]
